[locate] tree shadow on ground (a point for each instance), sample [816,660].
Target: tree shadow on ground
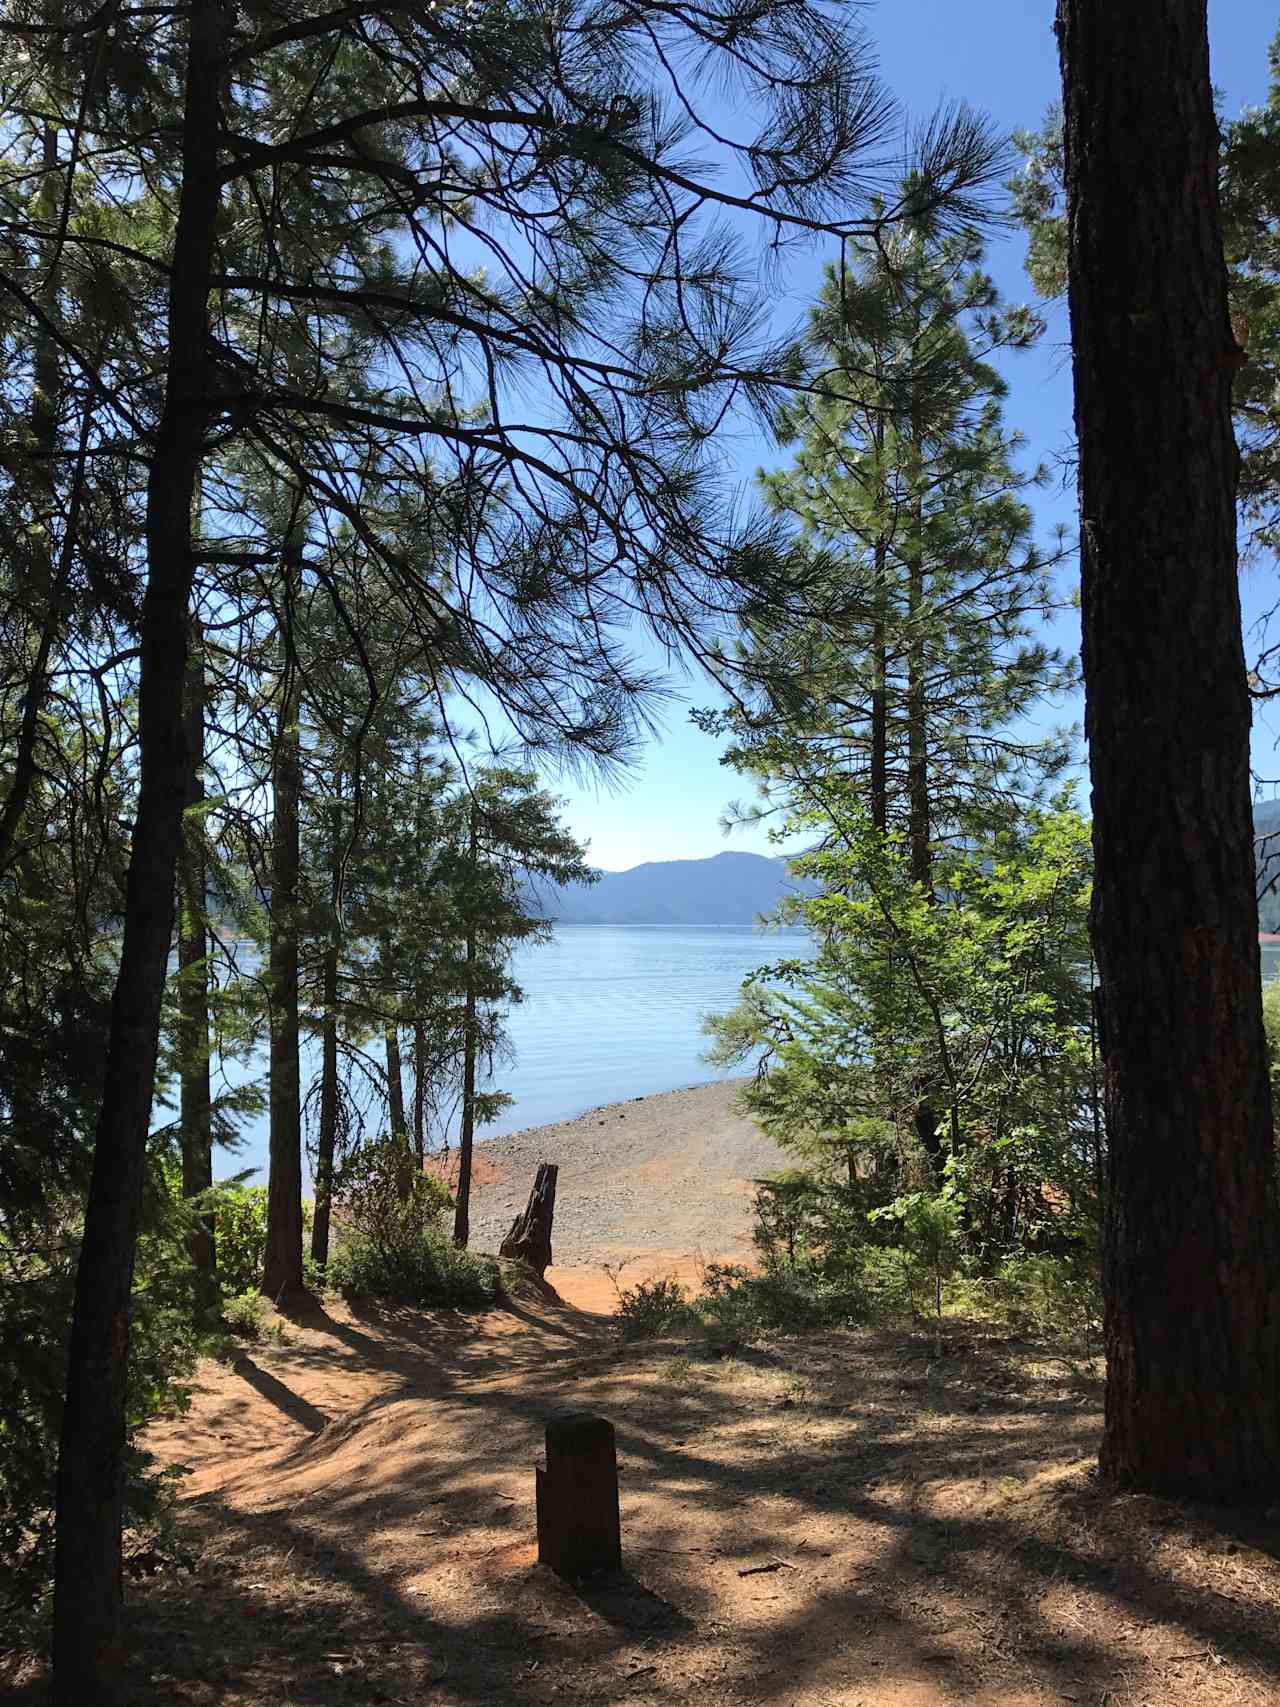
[927,1524]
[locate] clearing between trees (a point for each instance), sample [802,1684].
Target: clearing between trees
[843,1519]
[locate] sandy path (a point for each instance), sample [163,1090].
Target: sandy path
[831,1521]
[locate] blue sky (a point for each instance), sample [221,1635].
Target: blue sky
[999,55]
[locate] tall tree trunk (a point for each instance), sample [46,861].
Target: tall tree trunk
[880,694]
[45,586]
[282,1264]
[327,1136]
[395,1086]
[919,828]
[466,1136]
[87,1645]
[880,641]
[196,1106]
[419,1094]
[1191,1250]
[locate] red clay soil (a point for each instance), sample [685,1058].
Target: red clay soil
[444,1167]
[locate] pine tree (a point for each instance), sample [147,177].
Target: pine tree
[1249,182]
[905,691]
[921,660]
[1191,1277]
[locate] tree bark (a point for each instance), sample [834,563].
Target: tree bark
[1191,1252]
[196,1105]
[327,1136]
[282,1264]
[419,1094]
[45,587]
[880,694]
[529,1240]
[919,828]
[467,1132]
[87,1645]
[395,1086]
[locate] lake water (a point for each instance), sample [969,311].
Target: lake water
[610,1012]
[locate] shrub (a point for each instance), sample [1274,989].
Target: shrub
[1054,1297]
[392,1243]
[736,1304]
[929,1232]
[38,1258]
[419,1265]
[240,1236]
[886,1280]
[653,1308]
[807,1223]
[246,1315]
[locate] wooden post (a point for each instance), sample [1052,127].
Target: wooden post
[530,1235]
[579,1529]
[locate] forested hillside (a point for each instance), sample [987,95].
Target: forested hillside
[730,888]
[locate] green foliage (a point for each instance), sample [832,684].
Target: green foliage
[38,1258]
[246,1315]
[805,1223]
[1271,1025]
[240,1236]
[737,1305]
[981,993]
[392,1244]
[654,1308]
[929,1242]
[1052,1297]
[421,1265]
[1250,201]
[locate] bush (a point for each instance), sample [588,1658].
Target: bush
[246,1315]
[392,1243]
[420,1265]
[38,1258]
[736,1304]
[1053,1297]
[240,1237]
[654,1308]
[886,1280]
[929,1235]
[809,1224]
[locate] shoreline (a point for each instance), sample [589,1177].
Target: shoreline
[667,1175]
[609,1108]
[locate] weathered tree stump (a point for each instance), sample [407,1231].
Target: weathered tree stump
[530,1237]
[579,1529]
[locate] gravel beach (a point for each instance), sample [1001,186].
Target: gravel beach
[669,1173]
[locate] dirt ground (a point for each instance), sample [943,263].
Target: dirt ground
[839,1521]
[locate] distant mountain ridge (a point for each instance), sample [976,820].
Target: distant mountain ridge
[728,889]
[732,889]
